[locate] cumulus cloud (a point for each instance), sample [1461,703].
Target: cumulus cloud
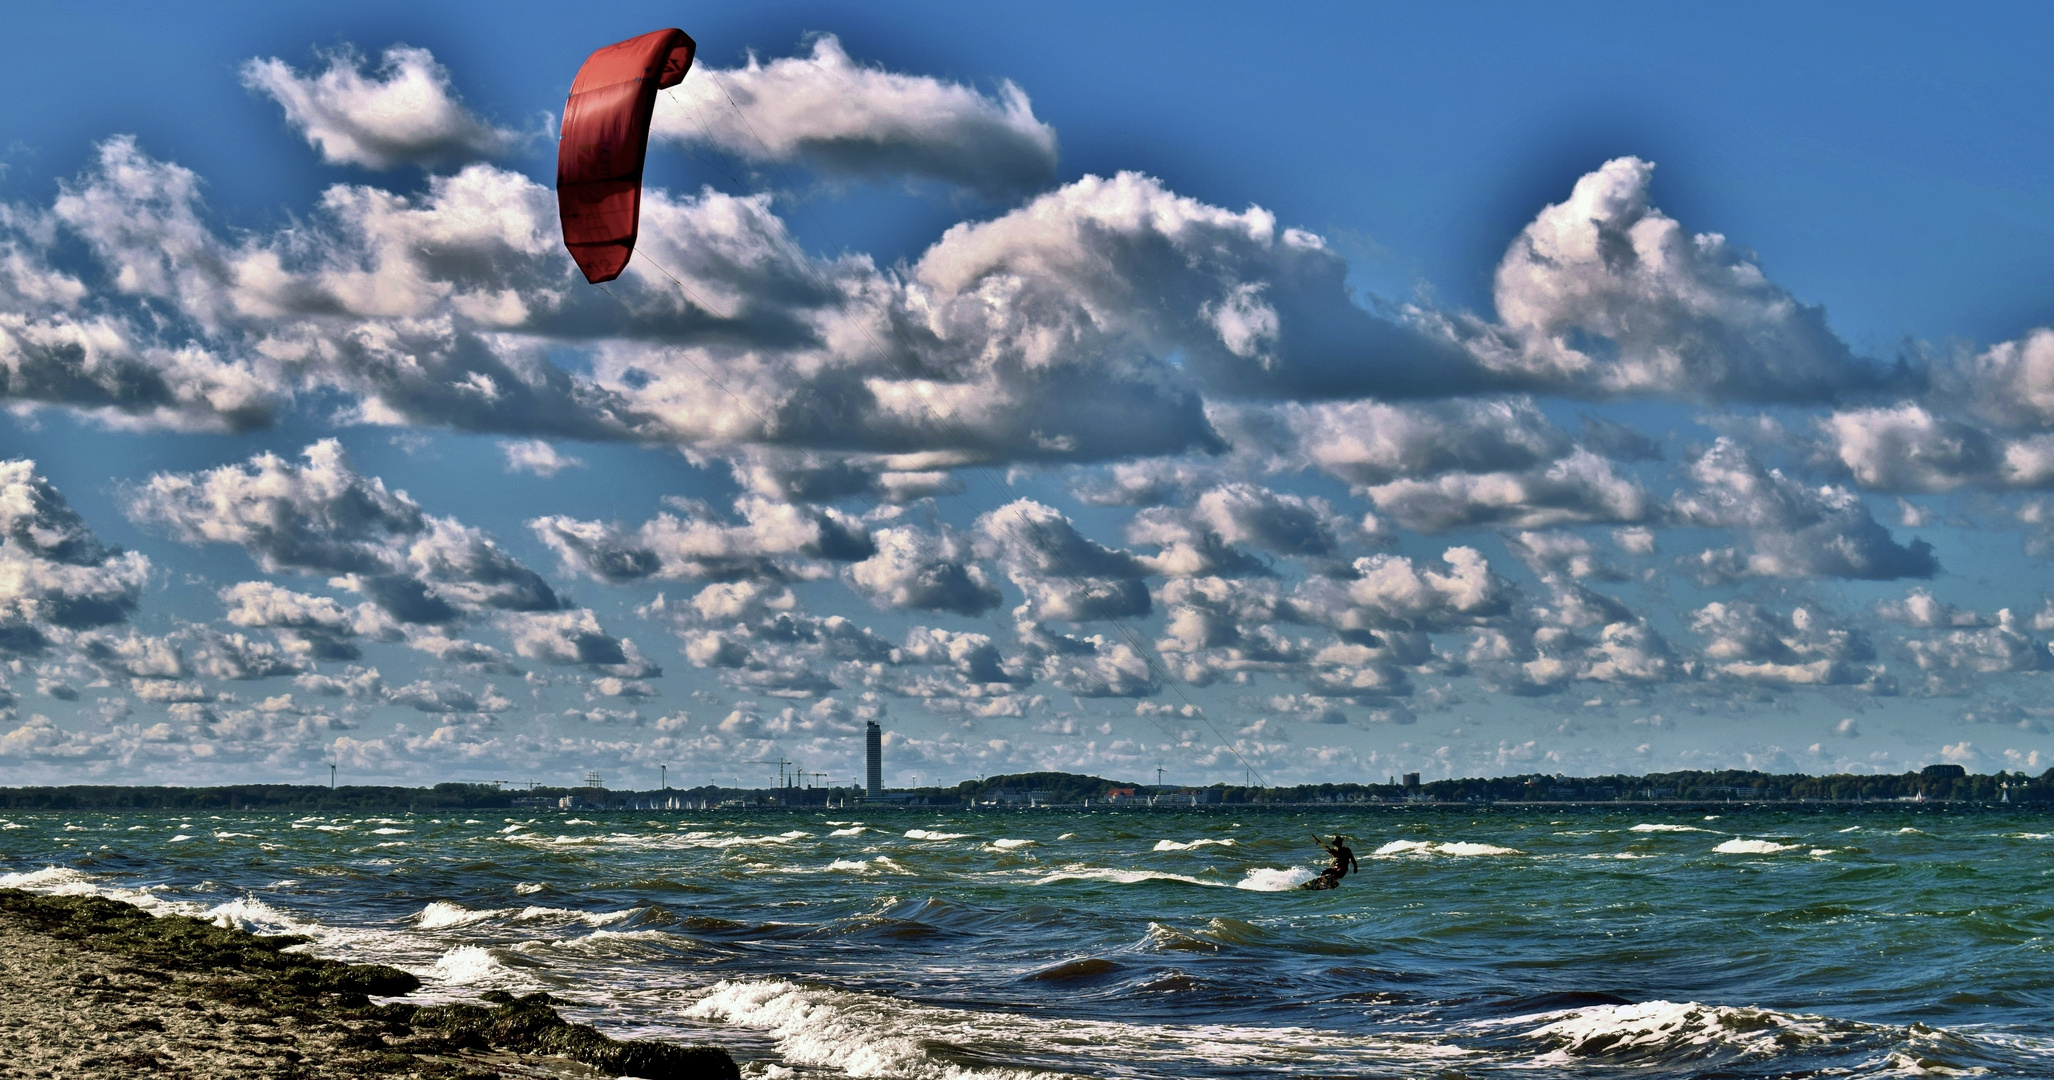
[2004,646]
[754,637]
[925,571]
[1603,294]
[537,456]
[1748,642]
[775,541]
[1794,530]
[404,113]
[53,570]
[321,516]
[422,575]
[1206,537]
[1065,574]
[849,119]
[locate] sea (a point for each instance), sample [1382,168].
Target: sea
[993,945]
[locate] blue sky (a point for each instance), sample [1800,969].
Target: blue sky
[1458,389]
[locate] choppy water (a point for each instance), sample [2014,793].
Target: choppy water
[1166,944]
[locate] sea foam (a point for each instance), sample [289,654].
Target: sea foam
[1181,845]
[1753,847]
[1265,879]
[1435,847]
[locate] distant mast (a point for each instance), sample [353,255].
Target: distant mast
[873,760]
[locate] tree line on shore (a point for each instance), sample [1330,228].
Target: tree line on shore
[1935,783]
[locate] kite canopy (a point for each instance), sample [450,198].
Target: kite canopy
[605,139]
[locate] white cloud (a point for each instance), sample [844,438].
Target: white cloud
[406,113]
[53,569]
[924,571]
[1680,315]
[1795,530]
[776,540]
[1748,642]
[845,118]
[537,456]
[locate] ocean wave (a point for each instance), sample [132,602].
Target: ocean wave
[1120,877]
[441,915]
[1010,845]
[853,830]
[1437,847]
[473,967]
[1665,827]
[390,832]
[929,834]
[1752,847]
[871,1035]
[589,918]
[1668,1030]
[257,917]
[529,889]
[1181,845]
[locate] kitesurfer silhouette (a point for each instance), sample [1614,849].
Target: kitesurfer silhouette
[1344,861]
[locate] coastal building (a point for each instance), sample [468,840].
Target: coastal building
[873,760]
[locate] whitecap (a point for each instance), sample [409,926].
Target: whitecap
[526,889]
[1821,852]
[1179,845]
[579,821]
[470,965]
[1011,845]
[1753,847]
[1265,879]
[390,832]
[1648,1030]
[1066,836]
[49,877]
[853,830]
[870,1035]
[1665,827]
[1122,877]
[331,828]
[441,914]
[254,915]
[1435,847]
[589,918]
[180,838]
[928,834]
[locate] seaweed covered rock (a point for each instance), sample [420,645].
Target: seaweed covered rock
[182,943]
[134,994]
[528,1025]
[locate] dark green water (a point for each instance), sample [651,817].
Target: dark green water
[1165,944]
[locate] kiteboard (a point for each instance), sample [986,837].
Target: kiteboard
[1326,880]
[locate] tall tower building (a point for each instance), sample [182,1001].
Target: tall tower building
[873,759]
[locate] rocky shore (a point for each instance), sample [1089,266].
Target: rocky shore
[92,988]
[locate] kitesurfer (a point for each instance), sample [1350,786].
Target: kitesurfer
[1344,861]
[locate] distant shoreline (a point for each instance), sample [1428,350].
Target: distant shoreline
[1938,785]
